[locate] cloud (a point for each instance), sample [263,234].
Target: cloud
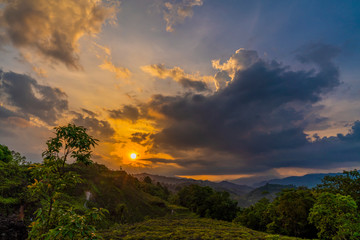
[176,11]
[185,80]
[6,113]
[240,60]
[99,128]
[141,138]
[128,112]
[105,56]
[254,123]
[120,72]
[53,28]
[31,98]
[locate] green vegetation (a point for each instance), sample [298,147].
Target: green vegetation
[336,217]
[186,228]
[50,181]
[86,200]
[329,212]
[205,202]
[13,180]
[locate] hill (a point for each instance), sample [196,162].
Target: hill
[175,184]
[118,192]
[308,180]
[187,228]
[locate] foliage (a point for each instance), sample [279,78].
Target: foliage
[335,216]
[157,189]
[147,179]
[256,216]
[13,180]
[73,141]
[205,202]
[346,184]
[52,178]
[71,225]
[122,194]
[5,154]
[289,213]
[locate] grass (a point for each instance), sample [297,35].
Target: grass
[191,227]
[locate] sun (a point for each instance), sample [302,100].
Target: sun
[133,156]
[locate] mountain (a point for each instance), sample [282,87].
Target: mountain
[308,180]
[175,184]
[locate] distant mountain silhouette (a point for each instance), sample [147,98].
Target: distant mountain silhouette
[308,180]
[175,184]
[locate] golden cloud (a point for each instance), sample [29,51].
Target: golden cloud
[51,27]
[176,12]
[191,81]
[121,72]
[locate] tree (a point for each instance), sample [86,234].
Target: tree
[335,217]
[52,178]
[148,180]
[345,184]
[256,216]
[205,202]
[13,180]
[72,141]
[289,213]
[5,154]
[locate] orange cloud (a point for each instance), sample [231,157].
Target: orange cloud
[192,81]
[121,72]
[217,177]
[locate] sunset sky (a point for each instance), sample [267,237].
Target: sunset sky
[205,89]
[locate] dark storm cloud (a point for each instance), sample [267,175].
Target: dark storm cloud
[198,86]
[99,128]
[127,112]
[259,118]
[32,98]
[260,110]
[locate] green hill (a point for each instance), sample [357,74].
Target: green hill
[120,193]
[186,228]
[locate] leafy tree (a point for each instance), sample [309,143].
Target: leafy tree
[256,216]
[154,189]
[289,213]
[5,154]
[222,207]
[147,179]
[72,141]
[205,202]
[335,216]
[52,178]
[346,184]
[13,180]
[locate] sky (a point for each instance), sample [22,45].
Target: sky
[203,89]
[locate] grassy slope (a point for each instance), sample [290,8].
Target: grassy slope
[118,192]
[186,227]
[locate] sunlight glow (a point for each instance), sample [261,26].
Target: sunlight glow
[133,156]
